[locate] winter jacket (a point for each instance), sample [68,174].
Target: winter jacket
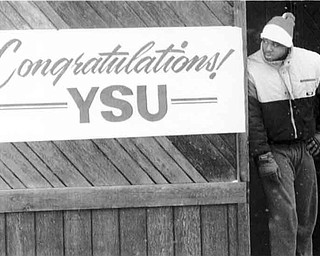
[282,99]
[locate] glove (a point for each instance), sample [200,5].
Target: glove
[313,145]
[268,168]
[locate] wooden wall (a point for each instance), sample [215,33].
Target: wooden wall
[183,195]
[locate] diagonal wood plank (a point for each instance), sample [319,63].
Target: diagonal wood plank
[109,17]
[91,162]
[21,167]
[188,13]
[51,15]
[143,161]
[142,14]
[124,14]
[59,164]
[223,148]
[222,10]
[32,14]
[13,16]
[77,14]
[161,13]
[161,160]
[180,159]
[37,162]
[9,178]
[123,161]
[5,22]
[205,157]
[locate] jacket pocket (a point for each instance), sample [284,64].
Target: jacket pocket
[309,86]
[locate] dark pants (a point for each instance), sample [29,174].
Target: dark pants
[292,204]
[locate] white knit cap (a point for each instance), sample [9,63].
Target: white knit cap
[280,29]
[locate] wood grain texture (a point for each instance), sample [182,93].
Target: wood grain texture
[12,158]
[233,229]
[59,164]
[20,234]
[145,163]
[187,231]
[14,17]
[242,139]
[161,160]
[214,223]
[51,15]
[91,162]
[161,14]
[188,13]
[206,158]
[160,231]
[180,159]
[133,232]
[77,14]
[105,232]
[3,235]
[49,233]
[39,165]
[9,178]
[105,197]
[77,233]
[33,16]
[3,225]
[125,164]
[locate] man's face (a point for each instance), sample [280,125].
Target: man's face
[273,51]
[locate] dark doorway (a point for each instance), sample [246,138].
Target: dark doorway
[307,35]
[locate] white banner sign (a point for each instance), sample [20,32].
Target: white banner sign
[108,83]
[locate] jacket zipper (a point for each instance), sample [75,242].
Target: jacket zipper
[292,120]
[291,109]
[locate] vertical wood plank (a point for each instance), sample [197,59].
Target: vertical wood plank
[3,235]
[214,230]
[242,139]
[3,226]
[160,231]
[187,231]
[49,233]
[77,233]
[243,230]
[233,230]
[133,235]
[21,234]
[105,232]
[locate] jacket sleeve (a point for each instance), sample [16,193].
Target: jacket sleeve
[258,141]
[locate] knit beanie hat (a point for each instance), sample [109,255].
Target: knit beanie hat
[280,29]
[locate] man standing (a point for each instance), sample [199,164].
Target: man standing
[283,82]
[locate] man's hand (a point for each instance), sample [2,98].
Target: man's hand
[268,168]
[313,145]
